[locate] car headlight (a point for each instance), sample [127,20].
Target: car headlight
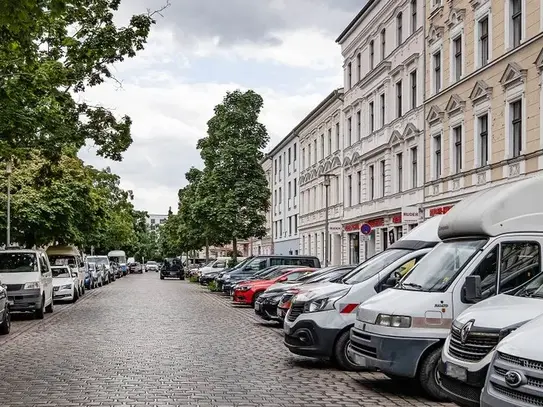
[394,321]
[242,288]
[66,287]
[32,286]
[506,331]
[323,303]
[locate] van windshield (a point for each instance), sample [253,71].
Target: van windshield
[18,263]
[62,260]
[439,268]
[533,289]
[98,260]
[371,267]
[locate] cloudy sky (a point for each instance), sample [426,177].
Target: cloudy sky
[199,50]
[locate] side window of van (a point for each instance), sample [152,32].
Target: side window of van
[307,262]
[259,265]
[488,271]
[277,261]
[43,264]
[520,262]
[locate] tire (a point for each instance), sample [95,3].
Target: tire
[340,353]
[5,327]
[49,309]
[40,313]
[162,277]
[428,375]
[75,297]
[83,290]
[255,297]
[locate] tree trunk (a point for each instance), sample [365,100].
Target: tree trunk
[207,250]
[235,250]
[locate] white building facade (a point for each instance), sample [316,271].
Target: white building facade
[383,169]
[321,147]
[154,221]
[285,202]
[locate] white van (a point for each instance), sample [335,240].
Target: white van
[319,320]
[28,279]
[401,331]
[515,376]
[471,344]
[69,256]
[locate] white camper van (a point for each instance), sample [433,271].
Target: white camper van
[481,236]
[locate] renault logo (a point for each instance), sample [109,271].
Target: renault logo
[466,329]
[513,378]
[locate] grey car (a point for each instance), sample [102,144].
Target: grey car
[5,317]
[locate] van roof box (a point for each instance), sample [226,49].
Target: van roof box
[508,208]
[423,236]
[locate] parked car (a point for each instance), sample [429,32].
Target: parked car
[65,283]
[29,280]
[69,256]
[151,266]
[135,268]
[172,269]
[5,315]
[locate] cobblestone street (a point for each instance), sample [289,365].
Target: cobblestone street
[142,341]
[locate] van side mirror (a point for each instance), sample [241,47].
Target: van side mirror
[472,289]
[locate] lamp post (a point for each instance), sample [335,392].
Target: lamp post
[326,183]
[8,218]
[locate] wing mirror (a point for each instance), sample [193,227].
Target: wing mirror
[472,289]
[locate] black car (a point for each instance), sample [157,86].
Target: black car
[269,300]
[172,268]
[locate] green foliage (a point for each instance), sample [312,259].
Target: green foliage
[213,287]
[193,279]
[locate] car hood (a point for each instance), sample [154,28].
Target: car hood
[502,311]
[319,290]
[19,278]
[62,281]
[256,283]
[524,342]
[281,287]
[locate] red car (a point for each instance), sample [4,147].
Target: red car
[246,293]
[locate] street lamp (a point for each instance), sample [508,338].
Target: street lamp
[326,183]
[8,219]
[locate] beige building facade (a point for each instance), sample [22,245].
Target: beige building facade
[483,97]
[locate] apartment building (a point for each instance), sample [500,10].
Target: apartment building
[265,245]
[484,96]
[383,51]
[321,145]
[285,210]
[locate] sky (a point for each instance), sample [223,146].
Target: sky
[199,49]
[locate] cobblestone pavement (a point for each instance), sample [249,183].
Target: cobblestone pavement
[142,341]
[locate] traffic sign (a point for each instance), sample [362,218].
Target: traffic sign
[365,229]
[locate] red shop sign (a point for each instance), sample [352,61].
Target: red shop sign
[352,227]
[375,223]
[440,210]
[397,218]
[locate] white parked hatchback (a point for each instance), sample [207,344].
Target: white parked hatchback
[65,283]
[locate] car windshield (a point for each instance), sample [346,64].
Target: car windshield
[278,272]
[438,269]
[92,266]
[61,272]
[98,260]
[18,262]
[329,276]
[62,260]
[533,289]
[266,272]
[374,265]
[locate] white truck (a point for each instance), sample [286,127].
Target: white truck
[402,331]
[319,320]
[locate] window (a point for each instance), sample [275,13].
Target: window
[383,177]
[457,60]
[414,168]
[483,41]
[372,118]
[309,156]
[359,181]
[322,146]
[303,158]
[372,182]
[349,131]
[296,224]
[457,139]
[315,151]
[437,71]
[295,189]
[294,151]
[280,167]
[359,66]
[281,228]
[399,28]
[383,43]
[337,136]
[483,139]
[520,262]
[382,97]
[516,127]
[329,141]
[413,77]
[399,99]
[280,197]
[349,76]
[290,225]
[413,16]
[399,162]
[274,171]
[372,54]
[350,190]
[359,125]
[289,157]
[516,22]
[437,156]
[289,190]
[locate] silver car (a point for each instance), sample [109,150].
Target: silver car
[5,317]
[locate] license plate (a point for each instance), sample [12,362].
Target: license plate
[173,273]
[456,372]
[257,306]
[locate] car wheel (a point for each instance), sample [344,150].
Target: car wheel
[82,290]
[428,375]
[5,327]
[40,312]
[50,307]
[74,296]
[340,353]
[255,297]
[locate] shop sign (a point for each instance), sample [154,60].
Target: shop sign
[352,227]
[376,223]
[335,228]
[410,214]
[396,218]
[440,210]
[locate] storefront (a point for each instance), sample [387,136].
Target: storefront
[437,210]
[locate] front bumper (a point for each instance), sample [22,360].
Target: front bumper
[307,338]
[266,308]
[25,300]
[63,294]
[171,274]
[395,355]
[465,393]
[243,297]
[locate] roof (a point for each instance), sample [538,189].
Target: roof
[357,20]
[63,250]
[423,236]
[509,208]
[332,97]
